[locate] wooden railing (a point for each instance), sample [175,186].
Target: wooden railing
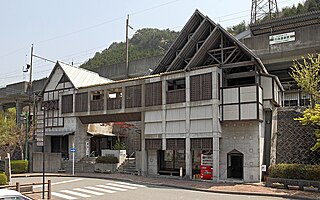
[27,188]
[114,103]
[176,96]
[96,105]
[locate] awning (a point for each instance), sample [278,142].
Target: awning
[100,134]
[59,133]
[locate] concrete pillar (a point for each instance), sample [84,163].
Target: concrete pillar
[188,156]
[1,108]
[18,112]
[80,139]
[144,159]
[164,111]
[215,156]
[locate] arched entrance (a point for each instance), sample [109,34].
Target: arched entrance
[235,164]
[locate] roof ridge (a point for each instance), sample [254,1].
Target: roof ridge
[85,70]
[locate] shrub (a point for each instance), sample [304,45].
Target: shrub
[295,171]
[19,166]
[107,159]
[3,179]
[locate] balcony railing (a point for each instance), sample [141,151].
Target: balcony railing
[176,96]
[96,105]
[114,103]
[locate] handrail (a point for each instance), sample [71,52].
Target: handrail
[131,154]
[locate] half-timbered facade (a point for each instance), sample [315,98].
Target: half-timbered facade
[209,95]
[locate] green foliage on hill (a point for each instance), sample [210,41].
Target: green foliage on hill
[307,6]
[144,43]
[301,8]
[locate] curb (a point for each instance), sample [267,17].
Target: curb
[167,185]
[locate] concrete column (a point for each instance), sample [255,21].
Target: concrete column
[1,108]
[215,156]
[188,156]
[18,112]
[164,108]
[74,102]
[144,159]
[89,103]
[188,159]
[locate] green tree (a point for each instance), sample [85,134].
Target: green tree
[311,116]
[146,42]
[12,137]
[236,29]
[307,77]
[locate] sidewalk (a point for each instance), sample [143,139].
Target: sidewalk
[228,188]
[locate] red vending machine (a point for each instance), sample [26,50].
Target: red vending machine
[206,166]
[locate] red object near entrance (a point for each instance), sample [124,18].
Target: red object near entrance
[206,172]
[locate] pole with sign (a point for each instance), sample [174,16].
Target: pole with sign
[73,150]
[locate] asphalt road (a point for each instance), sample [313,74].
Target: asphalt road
[100,189]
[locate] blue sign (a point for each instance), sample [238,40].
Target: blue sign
[73,149]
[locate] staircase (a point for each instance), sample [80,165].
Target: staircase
[128,166]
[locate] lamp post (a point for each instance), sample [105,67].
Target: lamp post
[43,152]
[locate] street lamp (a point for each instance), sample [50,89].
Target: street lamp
[43,153]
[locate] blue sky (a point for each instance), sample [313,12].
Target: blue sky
[73,30]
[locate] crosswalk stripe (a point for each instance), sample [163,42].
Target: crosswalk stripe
[63,196]
[131,184]
[75,193]
[112,188]
[88,191]
[100,189]
[123,186]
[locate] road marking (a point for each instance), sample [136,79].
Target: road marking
[62,182]
[75,193]
[88,191]
[123,186]
[100,189]
[63,195]
[131,184]
[112,188]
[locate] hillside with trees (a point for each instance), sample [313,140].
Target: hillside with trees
[149,42]
[301,8]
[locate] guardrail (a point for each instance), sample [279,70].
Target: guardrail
[27,188]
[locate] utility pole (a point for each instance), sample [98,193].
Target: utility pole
[29,67]
[127,47]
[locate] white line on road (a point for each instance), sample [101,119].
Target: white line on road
[88,191]
[62,182]
[63,196]
[75,193]
[123,186]
[112,188]
[100,189]
[131,184]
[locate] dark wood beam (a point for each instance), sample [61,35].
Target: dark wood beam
[239,64]
[240,75]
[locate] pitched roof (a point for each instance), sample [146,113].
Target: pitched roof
[202,42]
[78,77]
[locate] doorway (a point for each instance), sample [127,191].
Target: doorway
[235,164]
